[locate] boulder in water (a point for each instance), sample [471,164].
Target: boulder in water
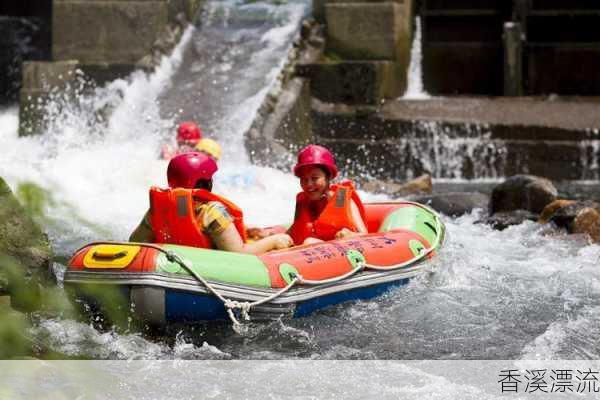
[579,217]
[503,219]
[522,192]
[420,185]
[565,216]
[552,208]
[454,204]
[588,221]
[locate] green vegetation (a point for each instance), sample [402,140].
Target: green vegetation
[34,199]
[108,309]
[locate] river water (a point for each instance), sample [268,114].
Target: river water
[528,292]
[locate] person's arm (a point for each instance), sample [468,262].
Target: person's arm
[218,224]
[143,232]
[229,240]
[358,221]
[256,233]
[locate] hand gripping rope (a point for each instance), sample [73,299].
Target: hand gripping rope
[244,307]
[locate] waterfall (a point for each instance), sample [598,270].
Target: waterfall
[415,90]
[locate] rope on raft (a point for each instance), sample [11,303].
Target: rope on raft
[230,305]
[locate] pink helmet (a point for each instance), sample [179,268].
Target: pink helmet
[186,169]
[316,155]
[188,132]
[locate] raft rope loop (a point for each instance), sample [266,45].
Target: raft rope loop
[230,305]
[245,306]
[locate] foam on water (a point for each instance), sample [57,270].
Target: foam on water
[415,89]
[526,292]
[99,171]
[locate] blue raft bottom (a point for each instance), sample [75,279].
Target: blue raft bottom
[189,307]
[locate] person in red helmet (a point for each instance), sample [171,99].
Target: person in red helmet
[188,136]
[324,211]
[189,214]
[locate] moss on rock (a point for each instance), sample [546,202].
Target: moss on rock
[22,239]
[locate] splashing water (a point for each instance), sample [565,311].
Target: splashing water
[526,292]
[99,171]
[415,90]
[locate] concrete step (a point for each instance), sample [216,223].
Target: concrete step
[354,82]
[369,31]
[464,138]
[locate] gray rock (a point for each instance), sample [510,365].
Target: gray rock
[522,192]
[454,204]
[552,208]
[418,186]
[587,221]
[503,219]
[565,216]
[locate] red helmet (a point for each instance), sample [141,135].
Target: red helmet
[186,169]
[316,155]
[188,132]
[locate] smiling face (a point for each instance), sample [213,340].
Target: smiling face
[314,182]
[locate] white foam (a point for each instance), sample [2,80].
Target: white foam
[415,90]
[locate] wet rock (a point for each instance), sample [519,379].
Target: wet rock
[522,192]
[552,208]
[503,219]
[420,185]
[567,216]
[454,204]
[22,240]
[588,221]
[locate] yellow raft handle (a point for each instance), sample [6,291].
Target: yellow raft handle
[109,256]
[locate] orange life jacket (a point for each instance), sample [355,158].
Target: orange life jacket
[336,214]
[173,218]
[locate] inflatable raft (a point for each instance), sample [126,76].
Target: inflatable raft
[168,283]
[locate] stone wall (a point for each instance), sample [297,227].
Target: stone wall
[465,44]
[357,53]
[462,138]
[24,35]
[350,106]
[367,51]
[107,39]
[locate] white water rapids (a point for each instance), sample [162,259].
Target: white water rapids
[527,292]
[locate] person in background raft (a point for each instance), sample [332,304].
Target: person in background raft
[188,136]
[324,211]
[209,147]
[245,180]
[189,214]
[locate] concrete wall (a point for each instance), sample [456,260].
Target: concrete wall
[24,35]
[464,43]
[106,39]
[367,51]
[463,138]
[112,32]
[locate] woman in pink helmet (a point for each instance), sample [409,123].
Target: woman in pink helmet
[324,211]
[188,136]
[189,214]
